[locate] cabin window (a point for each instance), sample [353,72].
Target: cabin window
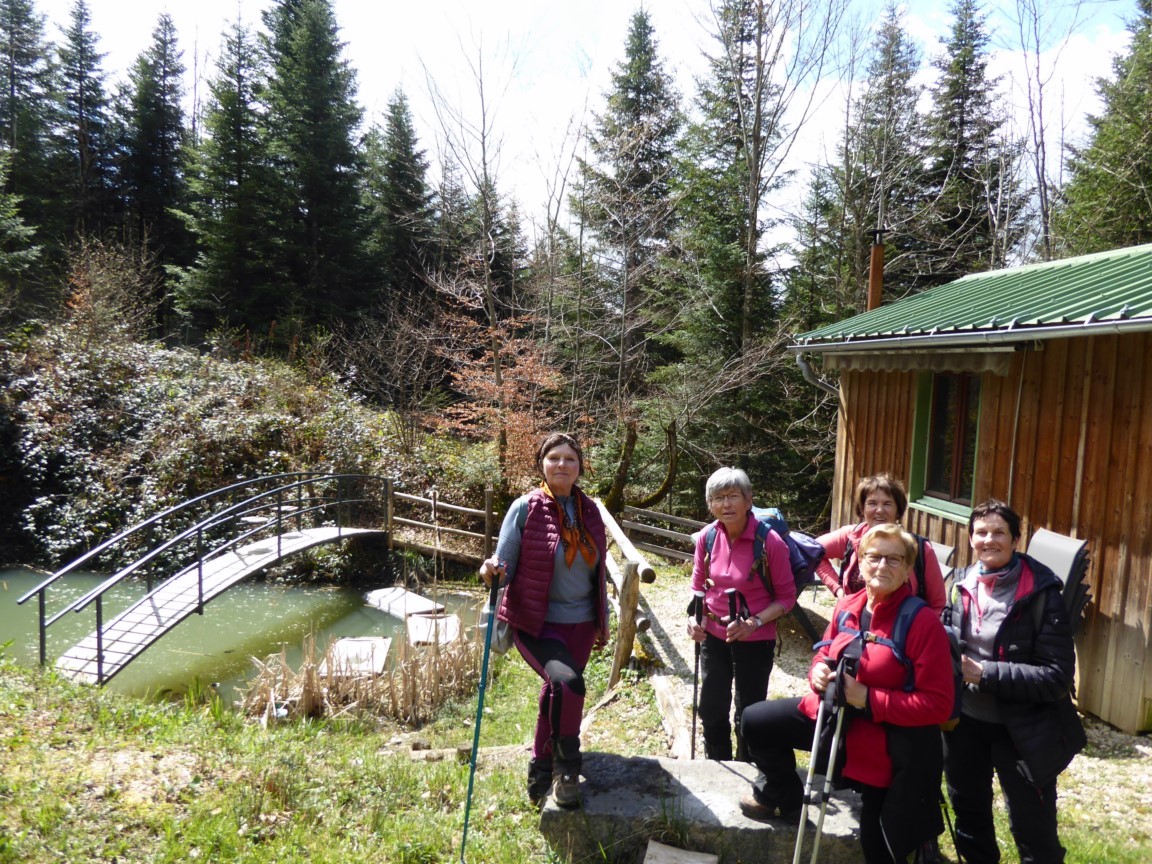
[952,437]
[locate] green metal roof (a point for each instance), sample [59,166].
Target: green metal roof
[1104,292]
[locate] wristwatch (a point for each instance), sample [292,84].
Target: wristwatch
[759,623]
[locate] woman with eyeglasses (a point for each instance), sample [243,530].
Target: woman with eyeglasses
[740,600]
[1016,718]
[880,499]
[892,749]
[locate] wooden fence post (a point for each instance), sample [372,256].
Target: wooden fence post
[489,499]
[388,506]
[626,626]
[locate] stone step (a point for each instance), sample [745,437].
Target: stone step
[689,804]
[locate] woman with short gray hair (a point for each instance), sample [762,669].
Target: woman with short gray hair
[726,575]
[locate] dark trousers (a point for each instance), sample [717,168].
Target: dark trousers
[873,841]
[748,664]
[972,751]
[772,731]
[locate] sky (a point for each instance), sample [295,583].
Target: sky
[547,63]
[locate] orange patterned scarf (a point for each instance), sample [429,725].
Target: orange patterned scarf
[573,535]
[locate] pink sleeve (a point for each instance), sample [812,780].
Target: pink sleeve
[834,543]
[699,567]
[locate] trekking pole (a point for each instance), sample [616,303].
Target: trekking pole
[808,782]
[733,604]
[840,705]
[951,828]
[698,603]
[493,589]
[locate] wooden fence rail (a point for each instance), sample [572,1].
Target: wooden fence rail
[639,523]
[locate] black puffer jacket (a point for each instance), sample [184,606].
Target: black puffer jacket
[1033,671]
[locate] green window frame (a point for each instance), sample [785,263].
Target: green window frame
[944,444]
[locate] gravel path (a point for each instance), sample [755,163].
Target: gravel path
[665,602]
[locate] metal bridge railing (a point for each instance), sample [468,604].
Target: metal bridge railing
[235,513]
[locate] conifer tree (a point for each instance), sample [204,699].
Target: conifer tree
[87,151]
[625,194]
[18,252]
[153,170]
[880,174]
[751,103]
[312,128]
[974,193]
[402,207]
[28,114]
[1107,202]
[235,281]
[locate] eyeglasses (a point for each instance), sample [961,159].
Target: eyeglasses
[876,560]
[727,498]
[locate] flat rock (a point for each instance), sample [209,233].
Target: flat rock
[692,805]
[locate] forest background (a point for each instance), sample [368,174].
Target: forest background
[645,303]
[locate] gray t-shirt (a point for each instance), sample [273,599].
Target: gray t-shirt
[572,594]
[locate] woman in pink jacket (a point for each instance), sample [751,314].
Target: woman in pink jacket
[735,648]
[892,753]
[880,499]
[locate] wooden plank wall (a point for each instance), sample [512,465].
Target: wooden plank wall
[1066,438]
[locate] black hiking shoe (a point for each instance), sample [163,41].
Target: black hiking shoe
[566,789]
[539,779]
[566,753]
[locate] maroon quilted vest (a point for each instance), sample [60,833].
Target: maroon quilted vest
[525,603]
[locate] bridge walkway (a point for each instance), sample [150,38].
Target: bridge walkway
[101,655]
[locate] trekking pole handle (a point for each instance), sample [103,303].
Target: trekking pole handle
[494,588]
[698,603]
[731,592]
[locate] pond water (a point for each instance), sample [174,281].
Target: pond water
[252,619]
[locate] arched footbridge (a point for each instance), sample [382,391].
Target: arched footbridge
[200,548]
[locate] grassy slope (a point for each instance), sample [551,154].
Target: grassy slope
[90,776]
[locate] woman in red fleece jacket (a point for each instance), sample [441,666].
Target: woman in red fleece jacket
[893,751]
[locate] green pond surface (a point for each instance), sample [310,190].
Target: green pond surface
[252,619]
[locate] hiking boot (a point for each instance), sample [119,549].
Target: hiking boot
[539,779]
[566,789]
[566,786]
[754,808]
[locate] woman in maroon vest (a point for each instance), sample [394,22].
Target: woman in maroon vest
[551,556]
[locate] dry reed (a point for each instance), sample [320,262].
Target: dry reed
[415,683]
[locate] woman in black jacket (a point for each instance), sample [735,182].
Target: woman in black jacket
[1017,717]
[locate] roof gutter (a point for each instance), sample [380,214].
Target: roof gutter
[811,377]
[974,339]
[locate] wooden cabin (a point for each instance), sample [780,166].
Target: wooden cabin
[1032,385]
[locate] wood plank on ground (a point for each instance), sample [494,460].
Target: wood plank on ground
[430,629]
[400,603]
[356,656]
[658,853]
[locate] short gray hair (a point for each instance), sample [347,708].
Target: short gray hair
[723,479]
